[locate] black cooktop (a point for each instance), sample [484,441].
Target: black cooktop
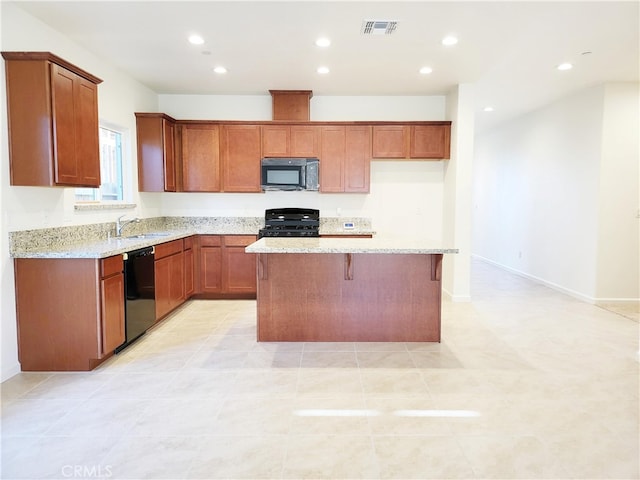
[291,222]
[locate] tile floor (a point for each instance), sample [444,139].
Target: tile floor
[527,383]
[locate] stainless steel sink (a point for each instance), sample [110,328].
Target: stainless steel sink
[149,235]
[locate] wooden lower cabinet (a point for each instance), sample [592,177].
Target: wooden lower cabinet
[169,277]
[70,312]
[112,303]
[238,267]
[226,271]
[210,263]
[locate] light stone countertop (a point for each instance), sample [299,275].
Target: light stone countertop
[387,245]
[90,241]
[101,248]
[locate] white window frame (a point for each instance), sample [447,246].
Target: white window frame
[125,161]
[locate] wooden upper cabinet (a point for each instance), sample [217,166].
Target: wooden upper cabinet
[332,157]
[52,109]
[240,152]
[345,156]
[390,141]
[200,158]
[411,141]
[276,140]
[305,141]
[290,141]
[430,141]
[156,134]
[357,165]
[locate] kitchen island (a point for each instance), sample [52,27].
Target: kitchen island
[348,290]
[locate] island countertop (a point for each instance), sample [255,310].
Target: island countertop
[385,245]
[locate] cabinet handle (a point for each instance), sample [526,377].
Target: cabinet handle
[348,266]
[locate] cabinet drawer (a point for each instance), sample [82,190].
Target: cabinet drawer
[210,241]
[110,266]
[188,243]
[168,248]
[238,240]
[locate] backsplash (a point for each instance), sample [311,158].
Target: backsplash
[43,238]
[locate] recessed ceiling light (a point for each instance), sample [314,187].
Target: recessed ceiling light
[487,109]
[220,69]
[565,66]
[323,70]
[196,40]
[449,40]
[323,42]
[426,70]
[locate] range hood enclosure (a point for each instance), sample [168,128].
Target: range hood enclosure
[291,105]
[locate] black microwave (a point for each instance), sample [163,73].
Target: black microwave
[290,174]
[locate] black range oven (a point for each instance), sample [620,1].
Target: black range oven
[291,222]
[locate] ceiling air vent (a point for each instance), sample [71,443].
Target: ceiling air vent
[378,27]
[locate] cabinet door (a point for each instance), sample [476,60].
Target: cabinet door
[169,277]
[332,157]
[430,141]
[276,140]
[357,164]
[75,118]
[304,141]
[241,153]
[200,158]
[156,153]
[176,280]
[238,267]
[210,269]
[163,286]
[112,306]
[390,141]
[189,285]
[168,152]
[87,132]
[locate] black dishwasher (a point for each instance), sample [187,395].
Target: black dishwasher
[139,292]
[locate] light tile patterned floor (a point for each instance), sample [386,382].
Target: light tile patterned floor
[527,383]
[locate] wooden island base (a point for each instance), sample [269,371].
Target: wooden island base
[349,297]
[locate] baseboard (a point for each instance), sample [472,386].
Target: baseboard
[7,373]
[456,298]
[552,285]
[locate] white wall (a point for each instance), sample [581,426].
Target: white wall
[457,193]
[36,207]
[538,193]
[405,196]
[619,197]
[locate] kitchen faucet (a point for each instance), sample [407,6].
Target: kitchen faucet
[120,225]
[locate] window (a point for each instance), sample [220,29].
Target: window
[111,188]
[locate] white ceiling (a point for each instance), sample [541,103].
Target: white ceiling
[509,50]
